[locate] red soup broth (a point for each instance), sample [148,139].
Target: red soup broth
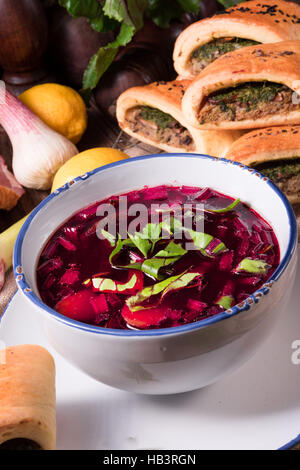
[163,273]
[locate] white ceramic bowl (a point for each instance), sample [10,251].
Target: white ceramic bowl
[174,359]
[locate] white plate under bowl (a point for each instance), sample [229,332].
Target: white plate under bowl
[257,407]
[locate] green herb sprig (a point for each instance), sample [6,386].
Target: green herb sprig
[126,17]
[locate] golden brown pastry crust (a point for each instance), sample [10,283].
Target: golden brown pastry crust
[264,22]
[267,145]
[263,145]
[279,63]
[27,395]
[167,97]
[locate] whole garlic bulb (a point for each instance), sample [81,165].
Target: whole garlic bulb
[38,151]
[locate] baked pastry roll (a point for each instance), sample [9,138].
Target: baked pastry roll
[153,114]
[274,151]
[246,89]
[27,398]
[243,25]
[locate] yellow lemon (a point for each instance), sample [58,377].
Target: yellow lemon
[60,107]
[84,162]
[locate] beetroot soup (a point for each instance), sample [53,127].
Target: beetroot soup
[156,258]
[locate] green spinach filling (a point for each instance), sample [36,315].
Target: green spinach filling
[279,170]
[249,93]
[161,119]
[209,51]
[252,100]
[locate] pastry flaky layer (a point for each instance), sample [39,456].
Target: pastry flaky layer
[277,63]
[269,148]
[27,398]
[167,97]
[263,22]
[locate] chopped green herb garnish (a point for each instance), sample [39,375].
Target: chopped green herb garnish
[225,209]
[253,266]
[226,301]
[172,283]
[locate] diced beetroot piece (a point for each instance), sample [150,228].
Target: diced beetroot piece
[173,314]
[49,266]
[71,234]
[66,244]
[50,249]
[241,228]
[91,231]
[250,281]
[243,248]
[101,318]
[196,305]
[253,253]
[266,237]
[228,289]
[114,301]
[116,321]
[268,258]
[189,190]
[157,194]
[214,310]
[65,291]
[99,303]
[226,261]
[77,307]
[70,277]
[242,296]
[191,316]
[222,231]
[255,238]
[203,194]
[49,281]
[144,318]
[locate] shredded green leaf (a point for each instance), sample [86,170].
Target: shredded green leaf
[226,301]
[225,209]
[253,266]
[165,286]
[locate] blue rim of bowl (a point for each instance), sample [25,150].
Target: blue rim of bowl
[241,307]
